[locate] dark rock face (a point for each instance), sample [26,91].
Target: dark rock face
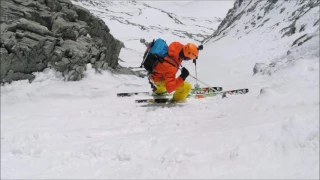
[36,34]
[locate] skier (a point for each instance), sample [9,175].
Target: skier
[164,79]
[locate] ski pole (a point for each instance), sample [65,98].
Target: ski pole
[200,81]
[195,68]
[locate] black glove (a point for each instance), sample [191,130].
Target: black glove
[200,47]
[184,73]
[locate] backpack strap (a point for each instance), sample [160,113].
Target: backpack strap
[145,56]
[146,53]
[175,64]
[153,87]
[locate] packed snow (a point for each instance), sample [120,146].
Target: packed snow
[55,129]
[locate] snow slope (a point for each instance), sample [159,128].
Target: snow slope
[135,20]
[55,129]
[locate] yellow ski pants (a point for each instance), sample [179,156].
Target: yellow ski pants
[180,93]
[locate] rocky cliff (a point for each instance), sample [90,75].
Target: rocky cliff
[40,34]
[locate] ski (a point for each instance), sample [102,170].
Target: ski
[196,96]
[205,90]
[163,100]
[169,100]
[193,91]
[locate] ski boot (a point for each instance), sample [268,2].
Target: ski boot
[155,95]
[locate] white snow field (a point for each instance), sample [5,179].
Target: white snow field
[52,129]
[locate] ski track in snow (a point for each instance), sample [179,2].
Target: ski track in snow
[56,129]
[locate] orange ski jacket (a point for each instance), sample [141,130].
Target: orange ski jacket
[167,70]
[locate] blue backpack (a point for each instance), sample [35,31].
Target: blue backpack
[159,48]
[154,54]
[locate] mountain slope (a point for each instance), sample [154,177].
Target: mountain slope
[141,16]
[256,34]
[53,129]
[135,20]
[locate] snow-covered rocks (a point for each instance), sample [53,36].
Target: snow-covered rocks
[258,68]
[268,93]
